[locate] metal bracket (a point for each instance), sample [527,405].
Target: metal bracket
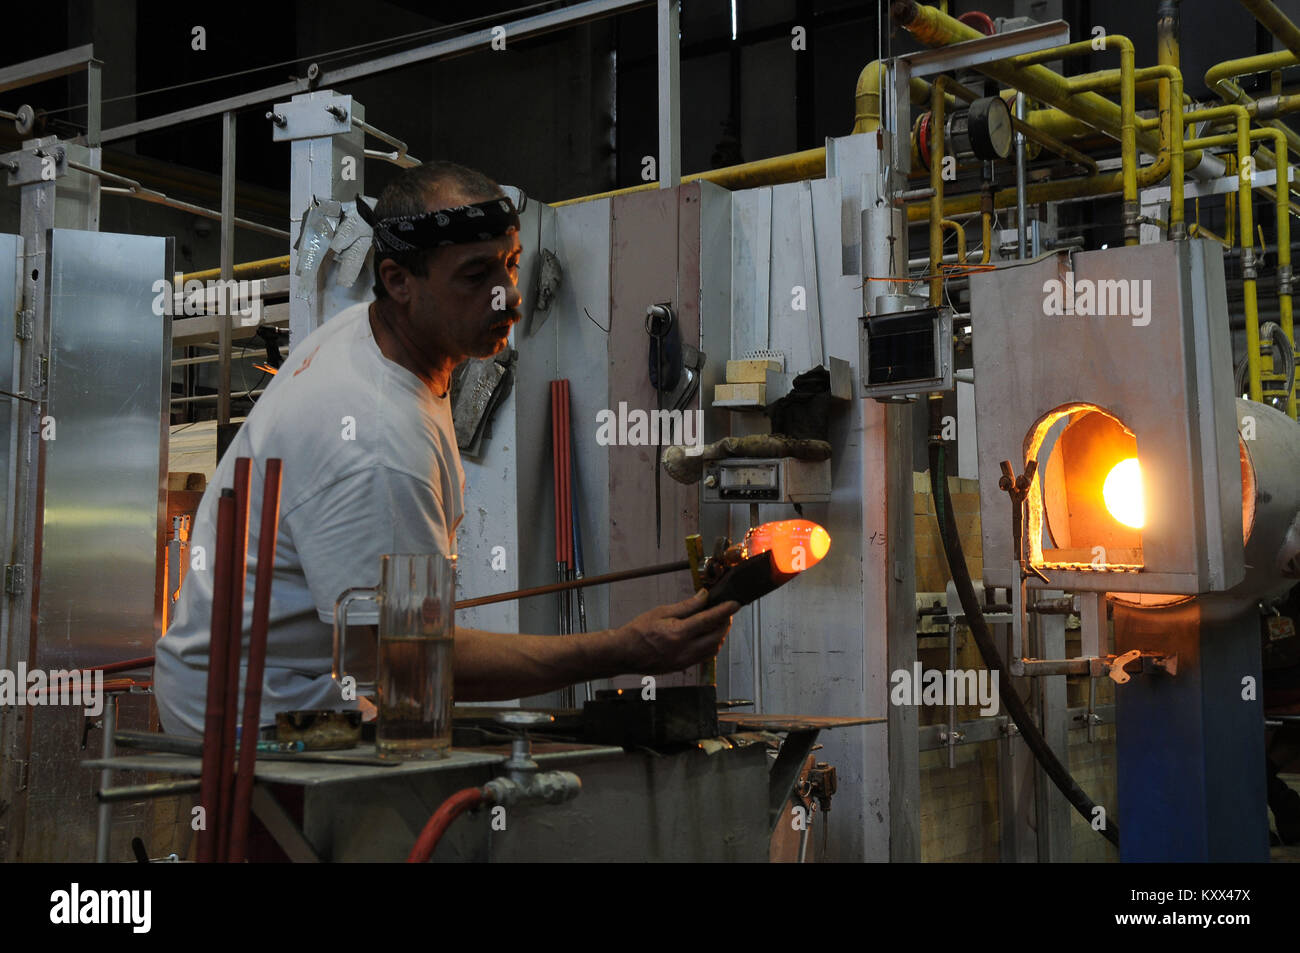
[23,324]
[312,115]
[15,579]
[30,165]
[1117,673]
[972,53]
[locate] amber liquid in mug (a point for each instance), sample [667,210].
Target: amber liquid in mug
[415,697]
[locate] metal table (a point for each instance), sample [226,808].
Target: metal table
[712,802]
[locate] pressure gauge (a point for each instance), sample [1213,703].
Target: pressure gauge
[984,130]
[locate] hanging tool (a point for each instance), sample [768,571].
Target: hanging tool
[578,567]
[665,373]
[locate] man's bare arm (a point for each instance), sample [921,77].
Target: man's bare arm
[494,666]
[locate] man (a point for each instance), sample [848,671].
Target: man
[360,415]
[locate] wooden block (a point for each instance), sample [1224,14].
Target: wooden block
[752,393]
[750,372]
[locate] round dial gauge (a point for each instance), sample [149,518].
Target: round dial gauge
[990,128]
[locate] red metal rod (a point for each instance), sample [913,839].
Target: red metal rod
[234,649]
[214,716]
[123,666]
[464,800]
[266,539]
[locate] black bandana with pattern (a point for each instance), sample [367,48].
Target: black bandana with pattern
[479,222]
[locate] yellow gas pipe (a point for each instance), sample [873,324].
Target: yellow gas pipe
[1245,211]
[1220,78]
[933,28]
[1276,22]
[1128,115]
[1104,184]
[960,232]
[1260,366]
[1176,145]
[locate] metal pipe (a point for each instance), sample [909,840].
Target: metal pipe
[601,580]
[866,96]
[1255,361]
[211,358]
[396,158]
[1038,136]
[961,237]
[1245,213]
[1171,155]
[204,398]
[103,834]
[933,28]
[262,268]
[1220,79]
[1022,207]
[158,198]
[986,222]
[1173,146]
[795,167]
[1128,117]
[937,103]
[139,792]
[1276,22]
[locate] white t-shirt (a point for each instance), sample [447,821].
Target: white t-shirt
[370,467]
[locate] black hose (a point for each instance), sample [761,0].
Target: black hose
[1011,700]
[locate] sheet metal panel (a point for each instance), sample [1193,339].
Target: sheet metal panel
[105,456]
[11,276]
[655,240]
[823,649]
[1164,373]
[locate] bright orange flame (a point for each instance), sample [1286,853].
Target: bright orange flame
[795,545]
[1122,492]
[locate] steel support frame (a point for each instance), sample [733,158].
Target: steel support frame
[322,168]
[670,146]
[1016,777]
[45,204]
[481,39]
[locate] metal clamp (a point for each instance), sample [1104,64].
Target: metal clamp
[1116,672]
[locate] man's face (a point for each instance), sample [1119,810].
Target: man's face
[467,302]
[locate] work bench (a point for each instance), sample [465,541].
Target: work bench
[716,800]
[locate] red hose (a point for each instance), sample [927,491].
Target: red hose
[450,809]
[978,20]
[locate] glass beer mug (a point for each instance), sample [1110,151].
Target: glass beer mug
[416,600]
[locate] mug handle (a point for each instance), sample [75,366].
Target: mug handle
[341,623]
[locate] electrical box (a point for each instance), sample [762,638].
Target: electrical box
[776,480]
[906,353]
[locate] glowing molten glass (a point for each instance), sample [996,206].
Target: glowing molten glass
[1122,492]
[795,544]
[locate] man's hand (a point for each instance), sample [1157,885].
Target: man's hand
[672,637]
